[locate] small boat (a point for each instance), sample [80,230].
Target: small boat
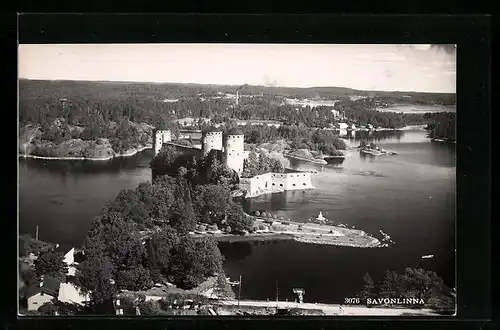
[429,256]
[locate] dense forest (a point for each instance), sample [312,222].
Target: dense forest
[91,111]
[160,91]
[168,209]
[142,237]
[442,126]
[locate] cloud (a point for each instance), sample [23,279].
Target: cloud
[364,56]
[390,57]
[449,49]
[422,47]
[388,73]
[270,82]
[382,57]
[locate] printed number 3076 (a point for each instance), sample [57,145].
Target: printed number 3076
[351,301]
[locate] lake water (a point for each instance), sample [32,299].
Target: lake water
[410,196]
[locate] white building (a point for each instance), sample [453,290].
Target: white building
[342,126]
[234,150]
[69,293]
[161,136]
[46,290]
[211,139]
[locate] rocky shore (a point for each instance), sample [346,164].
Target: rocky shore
[305,233]
[32,144]
[129,153]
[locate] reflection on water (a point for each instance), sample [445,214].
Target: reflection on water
[410,196]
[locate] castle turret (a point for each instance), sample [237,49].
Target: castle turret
[212,139]
[234,150]
[160,137]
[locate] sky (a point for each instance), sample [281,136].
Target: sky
[420,68]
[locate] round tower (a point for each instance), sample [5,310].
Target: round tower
[234,150]
[212,139]
[160,137]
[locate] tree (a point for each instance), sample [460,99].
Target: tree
[24,245]
[128,205]
[368,287]
[56,307]
[221,286]
[116,237]
[164,162]
[159,251]
[151,307]
[193,260]
[390,285]
[95,276]
[51,263]
[183,218]
[135,279]
[212,202]
[237,219]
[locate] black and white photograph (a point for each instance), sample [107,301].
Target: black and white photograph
[237,179]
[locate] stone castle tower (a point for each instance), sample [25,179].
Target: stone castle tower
[160,137]
[234,150]
[212,139]
[232,146]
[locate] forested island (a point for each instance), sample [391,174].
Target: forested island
[442,127]
[101,120]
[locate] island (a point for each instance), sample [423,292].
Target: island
[373,150]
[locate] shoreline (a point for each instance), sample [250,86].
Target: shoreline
[314,161]
[343,237]
[275,191]
[87,158]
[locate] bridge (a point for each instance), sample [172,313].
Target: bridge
[183,147]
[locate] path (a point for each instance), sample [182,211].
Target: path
[330,309]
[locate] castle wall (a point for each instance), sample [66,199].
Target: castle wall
[234,152]
[276,182]
[161,136]
[211,140]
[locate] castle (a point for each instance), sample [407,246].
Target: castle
[232,146]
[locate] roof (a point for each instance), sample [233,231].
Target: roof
[234,131]
[211,129]
[50,286]
[64,249]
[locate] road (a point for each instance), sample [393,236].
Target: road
[330,309]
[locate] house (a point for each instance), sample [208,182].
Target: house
[69,293]
[69,258]
[46,290]
[125,307]
[342,126]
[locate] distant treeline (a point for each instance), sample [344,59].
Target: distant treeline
[300,137]
[363,112]
[103,109]
[160,91]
